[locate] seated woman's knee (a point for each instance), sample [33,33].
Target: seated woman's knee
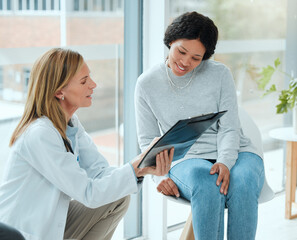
[243,184]
[206,183]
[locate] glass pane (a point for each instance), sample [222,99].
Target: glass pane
[97,36]
[93,28]
[105,32]
[248,41]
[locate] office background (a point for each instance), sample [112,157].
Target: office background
[120,39]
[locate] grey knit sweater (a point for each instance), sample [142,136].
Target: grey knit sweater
[159,104]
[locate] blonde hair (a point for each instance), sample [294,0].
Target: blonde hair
[50,73]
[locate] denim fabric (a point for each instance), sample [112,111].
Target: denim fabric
[197,185]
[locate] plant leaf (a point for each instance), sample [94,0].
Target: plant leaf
[277,62]
[284,104]
[266,75]
[270,90]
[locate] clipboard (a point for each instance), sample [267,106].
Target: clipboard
[181,136]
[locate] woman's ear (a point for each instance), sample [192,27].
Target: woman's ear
[59,94]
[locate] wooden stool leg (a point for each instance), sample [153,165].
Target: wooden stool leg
[188,233]
[291,168]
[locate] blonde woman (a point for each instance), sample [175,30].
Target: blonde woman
[56,184]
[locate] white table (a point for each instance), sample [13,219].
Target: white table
[287,134]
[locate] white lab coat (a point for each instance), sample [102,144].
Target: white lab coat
[41,178]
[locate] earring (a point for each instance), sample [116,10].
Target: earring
[62,98]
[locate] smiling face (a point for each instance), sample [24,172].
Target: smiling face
[185,55]
[77,93]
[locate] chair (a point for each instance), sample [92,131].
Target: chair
[250,130]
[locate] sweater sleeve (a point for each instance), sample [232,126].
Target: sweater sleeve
[228,138]
[146,122]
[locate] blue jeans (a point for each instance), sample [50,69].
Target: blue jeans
[195,184]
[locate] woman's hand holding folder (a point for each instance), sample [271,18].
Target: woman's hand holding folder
[163,162]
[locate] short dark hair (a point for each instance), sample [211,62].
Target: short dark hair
[193,25]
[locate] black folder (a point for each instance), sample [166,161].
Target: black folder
[181,136]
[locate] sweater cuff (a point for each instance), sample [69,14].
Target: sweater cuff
[228,164]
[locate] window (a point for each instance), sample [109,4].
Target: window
[98,38]
[22,6]
[247,42]
[26,77]
[1,81]
[5,5]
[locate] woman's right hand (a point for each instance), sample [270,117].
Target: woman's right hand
[168,187]
[163,164]
[223,176]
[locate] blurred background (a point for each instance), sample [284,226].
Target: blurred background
[252,34]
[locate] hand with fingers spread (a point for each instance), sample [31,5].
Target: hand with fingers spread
[224,176]
[168,187]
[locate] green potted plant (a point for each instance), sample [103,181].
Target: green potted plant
[287,98]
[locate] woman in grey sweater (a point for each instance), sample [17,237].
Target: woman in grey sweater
[223,168]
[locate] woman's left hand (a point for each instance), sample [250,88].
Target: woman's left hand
[224,176]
